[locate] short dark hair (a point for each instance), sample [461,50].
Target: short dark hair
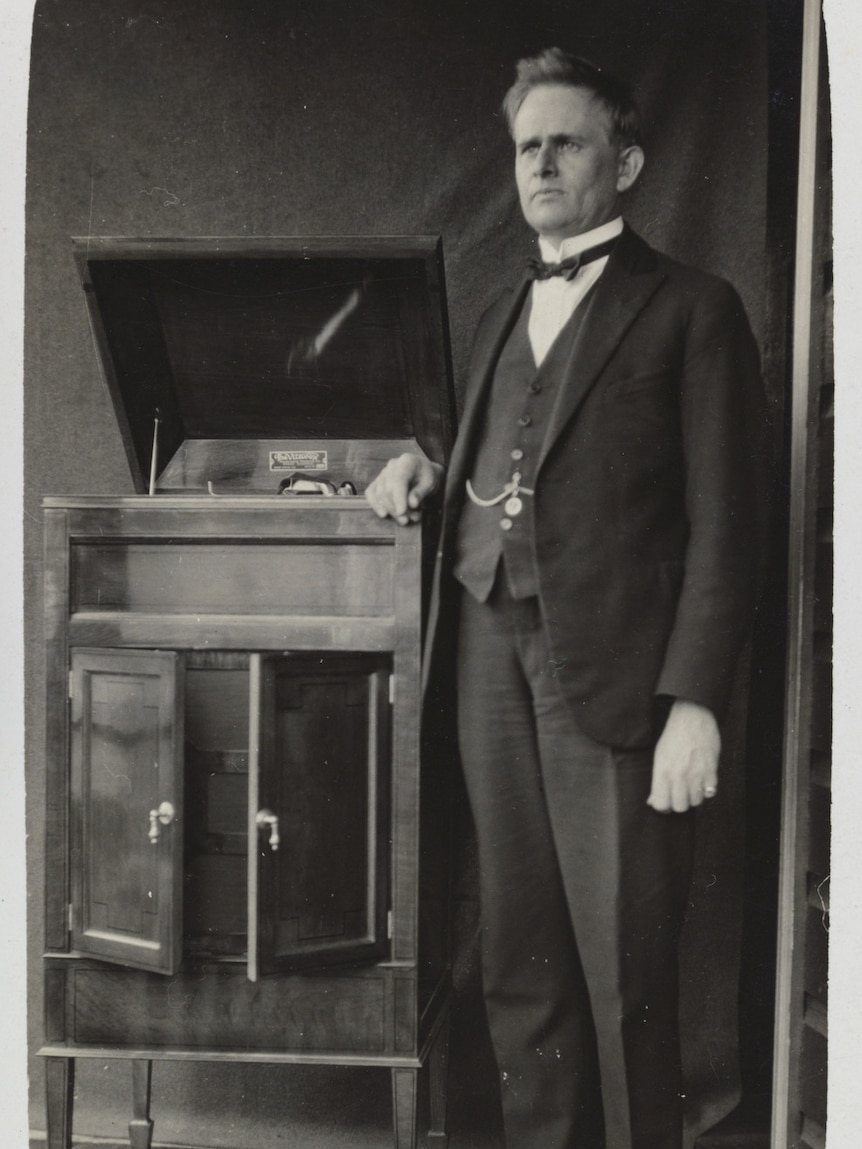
[554,66]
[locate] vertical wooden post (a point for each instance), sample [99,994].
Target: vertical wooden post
[404,1107]
[792,876]
[438,1064]
[141,1127]
[59,1089]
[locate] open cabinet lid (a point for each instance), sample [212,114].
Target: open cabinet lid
[279,338]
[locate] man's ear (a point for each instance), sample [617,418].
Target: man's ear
[631,160]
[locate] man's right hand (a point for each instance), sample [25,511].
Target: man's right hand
[402,486]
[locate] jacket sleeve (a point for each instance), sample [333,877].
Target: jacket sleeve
[726,459]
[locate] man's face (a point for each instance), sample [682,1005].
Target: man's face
[568,168]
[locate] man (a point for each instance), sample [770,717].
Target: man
[598,567]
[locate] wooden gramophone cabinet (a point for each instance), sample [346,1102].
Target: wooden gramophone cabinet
[247,847]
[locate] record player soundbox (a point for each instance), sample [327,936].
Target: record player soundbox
[240,814]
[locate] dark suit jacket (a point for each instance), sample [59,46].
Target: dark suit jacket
[649,495]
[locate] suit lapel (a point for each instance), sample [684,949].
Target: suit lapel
[627,284]
[624,289]
[487,355]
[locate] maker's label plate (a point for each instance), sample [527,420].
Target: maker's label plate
[298,461]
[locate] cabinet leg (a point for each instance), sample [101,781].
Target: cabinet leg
[438,1065]
[141,1127]
[404,1107]
[59,1088]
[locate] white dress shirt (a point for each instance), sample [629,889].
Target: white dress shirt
[554,300]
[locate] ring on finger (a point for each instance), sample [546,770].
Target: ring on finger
[709,791]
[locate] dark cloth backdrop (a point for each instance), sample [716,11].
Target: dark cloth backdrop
[360,117]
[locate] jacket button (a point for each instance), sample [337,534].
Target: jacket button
[535,388]
[525,420]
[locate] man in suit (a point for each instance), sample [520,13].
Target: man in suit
[597,573]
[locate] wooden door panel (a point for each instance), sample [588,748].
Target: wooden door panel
[322,764]
[325,774]
[126,760]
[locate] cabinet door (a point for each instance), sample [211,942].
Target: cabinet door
[126,778]
[319,776]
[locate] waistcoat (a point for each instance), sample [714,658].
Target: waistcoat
[521,399]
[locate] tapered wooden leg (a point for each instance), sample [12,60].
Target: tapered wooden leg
[59,1087]
[141,1127]
[438,1065]
[404,1107]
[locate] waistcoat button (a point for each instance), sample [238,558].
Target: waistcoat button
[525,420]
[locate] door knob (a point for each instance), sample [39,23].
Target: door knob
[161,817]
[266,818]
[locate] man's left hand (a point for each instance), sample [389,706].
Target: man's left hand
[685,765]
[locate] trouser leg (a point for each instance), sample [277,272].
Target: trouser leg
[535,993]
[626,872]
[555,812]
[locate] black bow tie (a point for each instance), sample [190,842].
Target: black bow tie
[570,267]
